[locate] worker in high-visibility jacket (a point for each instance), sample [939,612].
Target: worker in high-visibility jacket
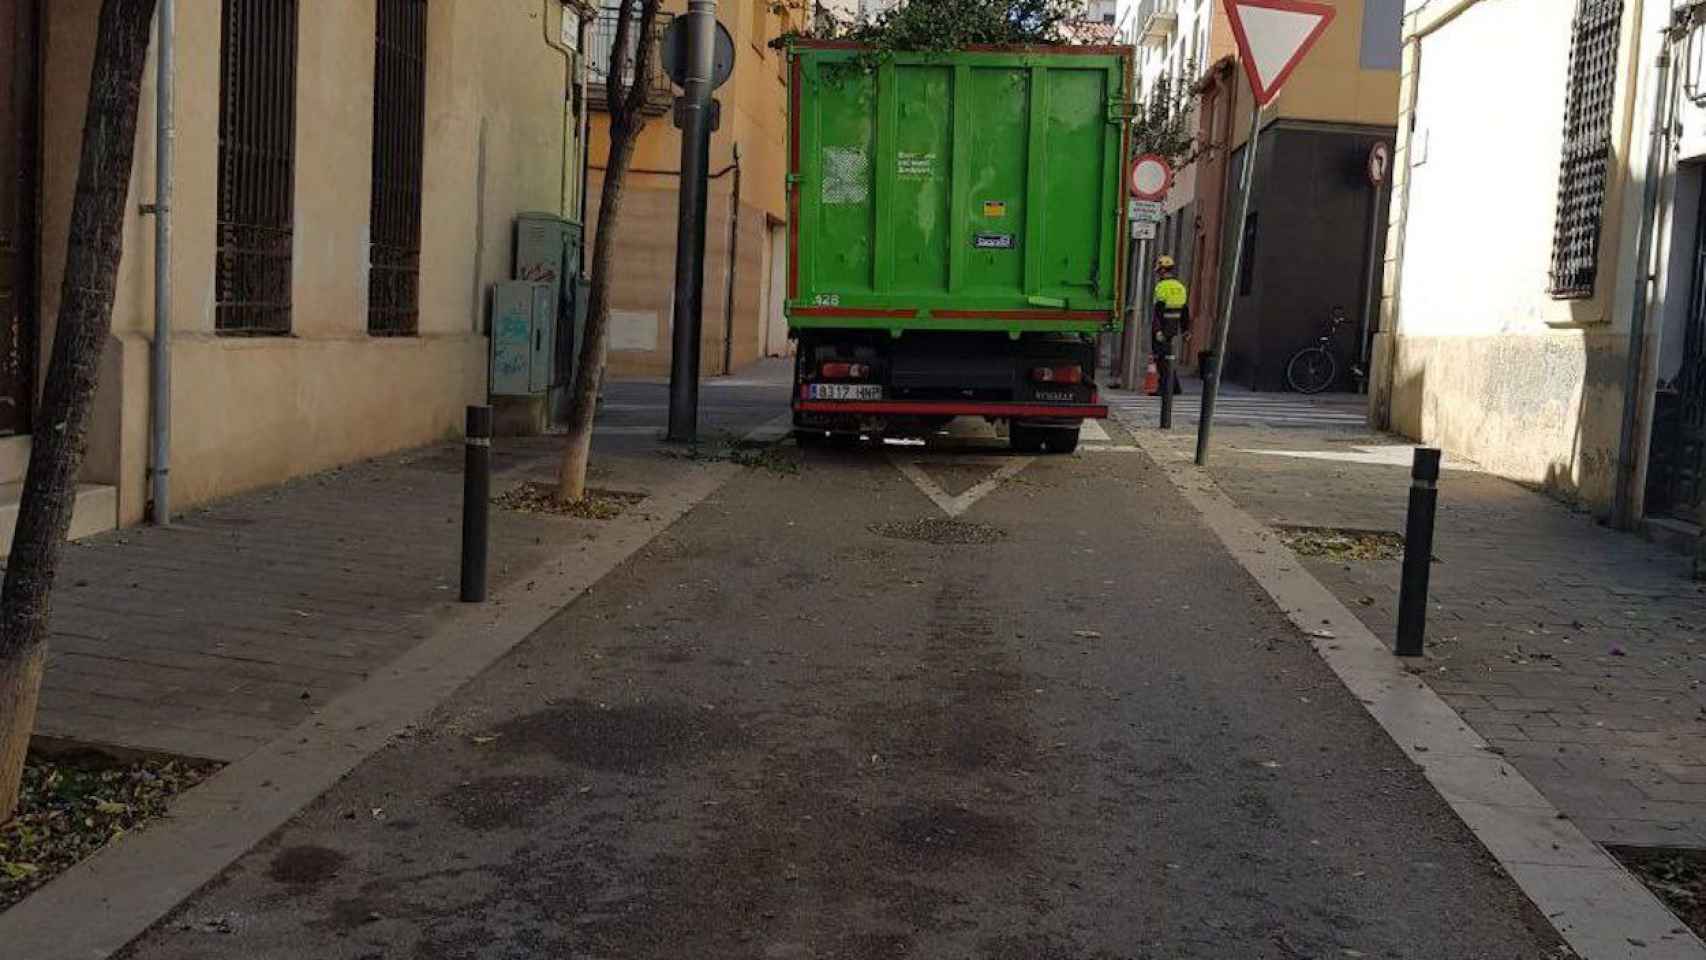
[1170,317]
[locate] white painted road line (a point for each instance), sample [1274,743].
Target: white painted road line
[1093,431]
[955,506]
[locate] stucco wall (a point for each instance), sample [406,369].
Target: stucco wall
[251,412]
[1542,409]
[1479,357]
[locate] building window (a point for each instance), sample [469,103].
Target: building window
[257,166]
[1587,147]
[399,119]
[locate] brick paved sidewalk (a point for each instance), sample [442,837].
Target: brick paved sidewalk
[217,634]
[210,637]
[1577,651]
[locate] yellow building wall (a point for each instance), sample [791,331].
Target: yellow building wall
[1330,85]
[249,412]
[754,115]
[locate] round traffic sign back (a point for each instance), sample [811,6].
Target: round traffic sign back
[674,53]
[1151,178]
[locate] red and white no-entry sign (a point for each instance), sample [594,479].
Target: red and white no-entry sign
[1151,178]
[1273,36]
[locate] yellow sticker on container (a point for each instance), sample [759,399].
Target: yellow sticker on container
[994,208]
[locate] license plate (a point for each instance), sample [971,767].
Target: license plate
[846,391]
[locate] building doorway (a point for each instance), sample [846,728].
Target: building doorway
[1676,471]
[20,78]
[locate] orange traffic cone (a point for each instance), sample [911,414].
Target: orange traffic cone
[1151,381]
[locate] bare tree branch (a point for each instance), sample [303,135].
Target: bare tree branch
[615,93]
[640,88]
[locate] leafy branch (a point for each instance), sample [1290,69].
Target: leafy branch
[1165,124]
[939,26]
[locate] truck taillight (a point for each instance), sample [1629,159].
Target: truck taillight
[841,370]
[1066,374]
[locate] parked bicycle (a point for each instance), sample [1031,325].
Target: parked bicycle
[1316,367]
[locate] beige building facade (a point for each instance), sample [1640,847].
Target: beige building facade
[346,177]
[1520,327]
[754,120]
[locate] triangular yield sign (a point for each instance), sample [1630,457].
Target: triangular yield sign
[1273,36]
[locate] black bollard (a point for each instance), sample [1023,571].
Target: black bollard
[1418,552]
[476,503]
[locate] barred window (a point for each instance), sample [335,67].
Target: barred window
[257,166]
[399,119]
[1587,147]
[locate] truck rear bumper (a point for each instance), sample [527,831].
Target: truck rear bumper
[955,408]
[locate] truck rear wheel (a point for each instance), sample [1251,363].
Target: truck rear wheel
[1031,439]
[1062,439]
[1025,439]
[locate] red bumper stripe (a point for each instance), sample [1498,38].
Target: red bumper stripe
[925,408]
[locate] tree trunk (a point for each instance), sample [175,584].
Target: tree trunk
[572,482]
[626,103]
[61,427]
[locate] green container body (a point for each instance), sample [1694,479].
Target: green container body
[972,190]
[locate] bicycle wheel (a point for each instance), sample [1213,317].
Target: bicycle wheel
[1311,370]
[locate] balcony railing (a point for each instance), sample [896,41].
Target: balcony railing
[659,91]
[1156,20]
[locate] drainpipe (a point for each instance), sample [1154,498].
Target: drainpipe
[161,380]
[586,138]
[1658,150]
[729,286]
[568,56]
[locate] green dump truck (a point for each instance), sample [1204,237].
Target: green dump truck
[956,244]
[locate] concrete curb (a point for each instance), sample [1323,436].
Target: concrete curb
[102,904]
[1599,908]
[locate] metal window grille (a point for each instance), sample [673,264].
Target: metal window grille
[399,121]
[660,93]
[1587,147]
[257,166]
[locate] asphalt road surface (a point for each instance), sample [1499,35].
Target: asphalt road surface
[819,718]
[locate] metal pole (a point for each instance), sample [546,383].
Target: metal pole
[1418,552]
[1623,493]
[165,134]
[734,261]
[476,503]
[1129,337]
[690,228]
[1371,300]
[1223,324]
[1139,340]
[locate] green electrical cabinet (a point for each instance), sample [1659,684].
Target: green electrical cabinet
[973,190]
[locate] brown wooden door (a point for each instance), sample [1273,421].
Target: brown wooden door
[19,112]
